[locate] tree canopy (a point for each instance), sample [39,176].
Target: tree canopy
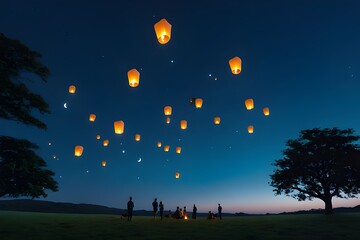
[320,163]
[21,170]
[16,100]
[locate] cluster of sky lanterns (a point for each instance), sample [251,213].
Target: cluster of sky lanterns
[163,35]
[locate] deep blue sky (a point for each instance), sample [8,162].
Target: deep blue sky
[300,58]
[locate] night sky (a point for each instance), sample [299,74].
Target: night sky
[299,58]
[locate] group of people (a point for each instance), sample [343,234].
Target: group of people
[178,214]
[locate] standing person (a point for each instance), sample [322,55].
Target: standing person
[161,206]
[185,213]
[219,210]
[194,212]
[155,207]
[130,207]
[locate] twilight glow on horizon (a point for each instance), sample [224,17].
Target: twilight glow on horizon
[300,59]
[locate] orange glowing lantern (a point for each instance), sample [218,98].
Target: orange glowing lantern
[163,31]
[167,111]
[166,148]
[178,150]
[137,137]
[103,163]
[183,124]
[249,103]
[250,129]
[79,150]
[235,65]
[92,117]
[97,137]
[159,144]
[72,89]
[54,156]
[119,127]
[217,120]
[167,120]
[133,77]
[177,175]
[198,103]
[106,143]
[266,111]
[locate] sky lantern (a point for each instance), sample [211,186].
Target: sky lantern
[163,31]
[97,137]
[177,175]
[133,77]
[198,103]
[266,111]
[106,143]
[158,144]
[166,148]
[178,150]
[250,129]
[119,127]
[249,103]
[54,156]
[167,111]
[235,65]
[167,120]
[183,124]
[217,120]
[103,163]
[78,150]
[92,117]
[72,89]
[137,137]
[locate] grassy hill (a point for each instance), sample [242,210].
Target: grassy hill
[31,226]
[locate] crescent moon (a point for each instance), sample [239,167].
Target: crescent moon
[65,105]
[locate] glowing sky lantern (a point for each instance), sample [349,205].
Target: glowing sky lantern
[78,150]
[217,120]
[54,156]
[183,124]
[198,103]
[158,144]
[166,148]
[103,163]
[133,77]
[106,143]
[177,175]
[178,150]
[235,65]
[167,110]
[163,31]
[266,111]
[137,137]
[249,104]
[167,120]
[97,137]
[250,129]
[72,89]
[92,117]
[119,127]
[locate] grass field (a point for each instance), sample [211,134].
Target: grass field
[22,225]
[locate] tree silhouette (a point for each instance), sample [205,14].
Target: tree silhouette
[21,169]
[21,172]
[16,100]
[320,163]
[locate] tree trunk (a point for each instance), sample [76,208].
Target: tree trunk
[328,205]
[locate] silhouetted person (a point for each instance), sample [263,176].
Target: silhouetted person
[130,207]
[155,207]
[219,210]
[161,206]
[181,214]
[185,213]
[177,213]
[194,212]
